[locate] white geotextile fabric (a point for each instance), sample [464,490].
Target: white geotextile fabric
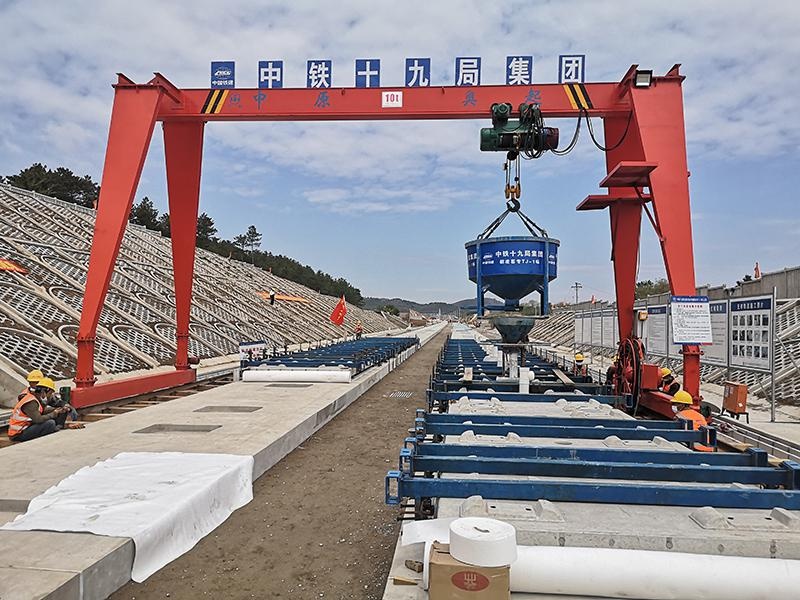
[165,501]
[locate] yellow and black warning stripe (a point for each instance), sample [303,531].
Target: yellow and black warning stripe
[578,96]
[214,102]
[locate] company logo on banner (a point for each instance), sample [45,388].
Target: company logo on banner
[223,74]
[417,72]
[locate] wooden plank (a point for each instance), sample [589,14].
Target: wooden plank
[563,377]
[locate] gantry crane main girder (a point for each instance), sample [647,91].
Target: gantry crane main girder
[652,156]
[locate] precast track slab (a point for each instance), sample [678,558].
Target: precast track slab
[102,564]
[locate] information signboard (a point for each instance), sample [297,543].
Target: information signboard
[597,328]
[673,350]
[609,327]
[752,333]
[656,336]
[690,320]
[717,353]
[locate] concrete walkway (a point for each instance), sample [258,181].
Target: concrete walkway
[84,566]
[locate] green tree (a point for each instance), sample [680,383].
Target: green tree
[145,213]
[240,242]
[206,231]
[253,238]
[163,225]
[390,308]
[651,288]
[60,183]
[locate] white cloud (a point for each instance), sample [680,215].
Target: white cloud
[741,59]
[364,199]
[742,66]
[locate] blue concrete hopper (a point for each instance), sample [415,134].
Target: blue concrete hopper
[513,267]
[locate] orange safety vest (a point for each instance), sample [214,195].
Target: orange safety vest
[698,421]
[19,421]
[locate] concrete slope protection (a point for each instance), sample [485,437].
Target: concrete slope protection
[40,308]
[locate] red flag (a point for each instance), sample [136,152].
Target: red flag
[757,271]
[339,311]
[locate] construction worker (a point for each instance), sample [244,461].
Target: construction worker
[359,330]
[53,400]
[668,383]
[612,370]
[682,407]
[33,378]
[31,419]
[579,368]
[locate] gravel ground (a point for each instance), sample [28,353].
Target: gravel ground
[317,526]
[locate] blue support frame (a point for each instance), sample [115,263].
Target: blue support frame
[479,280]
[545,296]
[399,485]
[706,436]
[543,467]
[753,457]
[444,398]
[556,386]
[514,420]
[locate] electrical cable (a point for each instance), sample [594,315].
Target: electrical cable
[573,142]
[594,139]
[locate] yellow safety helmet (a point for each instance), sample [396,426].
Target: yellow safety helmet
[682,397]
[665,371]
[35,375]
[579,357]
[46,382]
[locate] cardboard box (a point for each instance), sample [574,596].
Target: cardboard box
[451,579]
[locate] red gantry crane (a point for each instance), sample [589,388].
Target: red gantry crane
[647,167]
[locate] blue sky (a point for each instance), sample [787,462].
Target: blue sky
[390,205]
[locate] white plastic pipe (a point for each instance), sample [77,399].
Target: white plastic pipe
[298,375]
[648,575]
[524,380]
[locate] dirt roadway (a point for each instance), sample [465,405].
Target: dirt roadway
[317,526]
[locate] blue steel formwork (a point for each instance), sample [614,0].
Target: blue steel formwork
[433,466]
[457,355]
[357,355]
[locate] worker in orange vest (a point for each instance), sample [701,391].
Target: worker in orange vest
[359,330]
[30,418]
[682,407]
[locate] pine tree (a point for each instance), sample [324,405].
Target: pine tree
[145,214]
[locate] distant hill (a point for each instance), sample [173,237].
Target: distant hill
[427,308]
